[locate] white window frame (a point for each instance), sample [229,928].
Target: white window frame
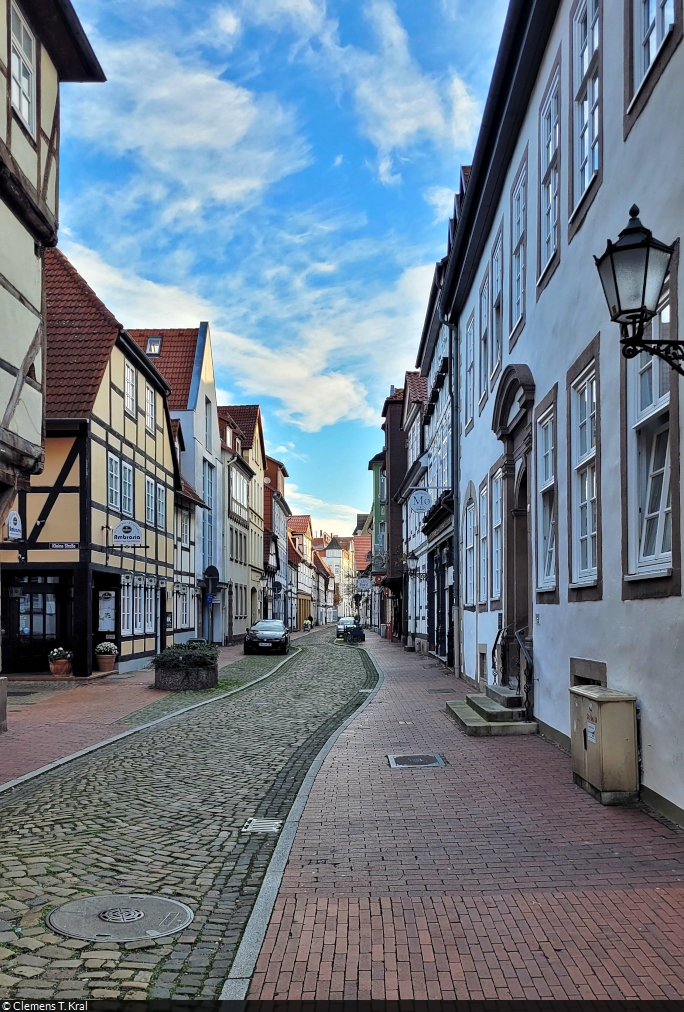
[138,610]
[585,499]
[150,512]
[546,503]
[23,70]
[150,408]
[208,423]
[650,34]
[127,488]
[113,482]
[161,506]
[470,371]
[484,545]
[184,610]
[518,235]
[484,336]
[586,96]
[130,392]
[208,518]
[497,535]
[645,421]
[470,554]
[150,609]
[496,340]
[185,528]
[126,609]
[549,182]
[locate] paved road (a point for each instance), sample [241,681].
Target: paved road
[161,812]
[493,877]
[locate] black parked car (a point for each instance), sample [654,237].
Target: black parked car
[268,634]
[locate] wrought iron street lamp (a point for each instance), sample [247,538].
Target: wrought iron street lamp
[632,272]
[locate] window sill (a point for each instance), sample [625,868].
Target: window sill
[550,587]
[580,584]
[579,206]
[645,79]
[650,574]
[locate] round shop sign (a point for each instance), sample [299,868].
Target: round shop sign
[420,500]
[127,533]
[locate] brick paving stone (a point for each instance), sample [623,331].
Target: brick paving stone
[162,812]
[494,877]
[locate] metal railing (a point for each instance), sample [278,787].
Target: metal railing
[529,673]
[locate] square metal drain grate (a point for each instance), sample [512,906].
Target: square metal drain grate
[262,826]
[419,761]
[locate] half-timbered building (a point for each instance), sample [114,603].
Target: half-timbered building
[96,560]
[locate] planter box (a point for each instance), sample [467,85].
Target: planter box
[185,679]
[105,662]
[60,669]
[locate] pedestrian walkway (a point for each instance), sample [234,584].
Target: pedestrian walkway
[493,877]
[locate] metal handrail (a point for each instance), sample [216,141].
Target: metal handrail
[529,670]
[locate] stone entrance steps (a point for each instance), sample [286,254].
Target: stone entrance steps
[498,712]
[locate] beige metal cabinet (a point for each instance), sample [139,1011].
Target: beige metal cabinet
[604,743]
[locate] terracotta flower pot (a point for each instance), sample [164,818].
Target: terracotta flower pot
[60,669]
[105,662]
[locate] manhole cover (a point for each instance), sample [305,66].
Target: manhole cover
[431,665]
[262,826]
[126,917]
[412,761]
[441,690]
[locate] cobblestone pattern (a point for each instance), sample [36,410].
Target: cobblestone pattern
[494,877]
[162,812]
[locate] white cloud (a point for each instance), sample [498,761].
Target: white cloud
[196,137]
[441,199]
[338,161]
[335,518]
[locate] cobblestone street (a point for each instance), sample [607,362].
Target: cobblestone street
[161,812]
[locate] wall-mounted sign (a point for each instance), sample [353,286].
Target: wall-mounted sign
[14,529]
[364,583]
[126,533]
[107,616]
[63,544]
[420,500]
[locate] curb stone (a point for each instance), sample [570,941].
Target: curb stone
[11,784]
[237,983]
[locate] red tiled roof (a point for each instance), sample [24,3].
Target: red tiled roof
[227,419]
[175,361]
[362,550]
[188,492]
[246,416]
[300,525]
[345,543]
[322,566]
[293,555]
[320,544]
[81,333]
[417,386]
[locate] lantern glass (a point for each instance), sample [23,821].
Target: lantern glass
[658,266]
[605,269]
[629,264]
[412,562]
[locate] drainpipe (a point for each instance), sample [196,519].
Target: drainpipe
[455,482]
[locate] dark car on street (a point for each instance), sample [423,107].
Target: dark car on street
[268,634]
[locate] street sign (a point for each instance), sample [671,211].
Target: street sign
[126,533]
[364,583]
[420,500]
[14,528]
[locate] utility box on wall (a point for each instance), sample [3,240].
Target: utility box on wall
[604,743]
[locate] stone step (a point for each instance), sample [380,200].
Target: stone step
[504,696]
[476,726]
[490,710]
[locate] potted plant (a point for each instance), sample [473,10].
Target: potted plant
[60,662]
[186,666]
[105,655]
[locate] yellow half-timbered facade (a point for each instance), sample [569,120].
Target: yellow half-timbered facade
[41,44]
[97,558]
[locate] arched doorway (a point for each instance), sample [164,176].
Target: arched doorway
[512,423]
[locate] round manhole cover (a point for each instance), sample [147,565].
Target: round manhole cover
[127,917]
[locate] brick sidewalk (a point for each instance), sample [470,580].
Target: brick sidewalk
[493,878]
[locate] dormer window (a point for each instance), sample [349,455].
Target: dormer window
[154,345]
[23,71]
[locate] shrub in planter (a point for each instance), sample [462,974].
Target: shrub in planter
[105,655]
[60,660]
[186,666]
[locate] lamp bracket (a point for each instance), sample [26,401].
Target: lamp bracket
[632,341]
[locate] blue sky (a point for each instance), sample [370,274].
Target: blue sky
[285,170]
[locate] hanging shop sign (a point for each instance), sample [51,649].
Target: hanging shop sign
[126,533]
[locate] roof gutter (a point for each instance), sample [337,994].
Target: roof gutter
[525,36]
